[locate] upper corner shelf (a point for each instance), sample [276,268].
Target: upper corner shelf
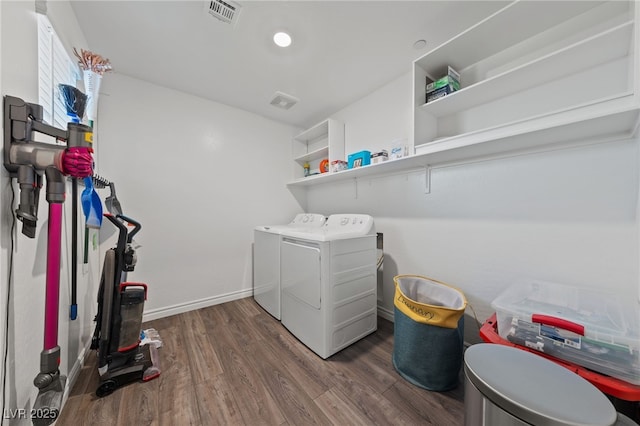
[316,154]
[530,60]
[318,131]
[325,140]
[601,48]
[514,23]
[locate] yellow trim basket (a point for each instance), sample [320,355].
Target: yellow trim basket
[429,301]
[428,332]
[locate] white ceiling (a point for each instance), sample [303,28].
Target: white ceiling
[341,51]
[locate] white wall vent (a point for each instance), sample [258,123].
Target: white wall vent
[284,101]
[226,11]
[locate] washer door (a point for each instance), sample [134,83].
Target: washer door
[266,271]
[300,271]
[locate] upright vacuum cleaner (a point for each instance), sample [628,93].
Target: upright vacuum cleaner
[121,358]
[27,160]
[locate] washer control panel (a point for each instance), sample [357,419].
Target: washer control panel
[308,220]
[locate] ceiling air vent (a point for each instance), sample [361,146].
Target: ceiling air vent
[226,11]
[284,101]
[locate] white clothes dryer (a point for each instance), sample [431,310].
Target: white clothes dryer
[329,282]
[266,259]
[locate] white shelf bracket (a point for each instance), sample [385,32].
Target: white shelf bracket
[427,179]
[355,188]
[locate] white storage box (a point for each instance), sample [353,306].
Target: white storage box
[590,328]
[379,157]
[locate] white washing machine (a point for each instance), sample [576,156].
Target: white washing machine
[266,259]
[329,283]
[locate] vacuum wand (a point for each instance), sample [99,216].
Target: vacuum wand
[49,381]
[27,161]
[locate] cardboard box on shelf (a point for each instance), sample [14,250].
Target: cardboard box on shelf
[379,157]
[359,159]
[443,86]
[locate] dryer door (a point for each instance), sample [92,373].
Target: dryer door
[300,271]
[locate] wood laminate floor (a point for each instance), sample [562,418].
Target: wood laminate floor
[233,364]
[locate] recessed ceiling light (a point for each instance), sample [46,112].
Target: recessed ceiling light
[419,44]
[282,39]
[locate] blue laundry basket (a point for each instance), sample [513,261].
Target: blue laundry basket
[428,332]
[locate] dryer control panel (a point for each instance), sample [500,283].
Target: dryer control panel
[308,220]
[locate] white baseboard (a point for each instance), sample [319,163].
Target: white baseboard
[167,311]
[77,366]
[73,375]
[385,313]
[180,308]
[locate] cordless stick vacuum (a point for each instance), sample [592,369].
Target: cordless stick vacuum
[27,161]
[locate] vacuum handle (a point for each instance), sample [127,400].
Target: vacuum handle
[137,226]
[133,284]
[558,322]
[122,234]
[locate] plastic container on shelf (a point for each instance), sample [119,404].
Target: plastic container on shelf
[338,165]
[399,149]
[590,328]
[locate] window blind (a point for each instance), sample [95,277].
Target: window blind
[54,67]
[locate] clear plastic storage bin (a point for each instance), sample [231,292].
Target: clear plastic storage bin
[594,329]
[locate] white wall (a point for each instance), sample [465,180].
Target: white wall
[3,252]
[375,121]
[566,216]
[19,77]
[199,176]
